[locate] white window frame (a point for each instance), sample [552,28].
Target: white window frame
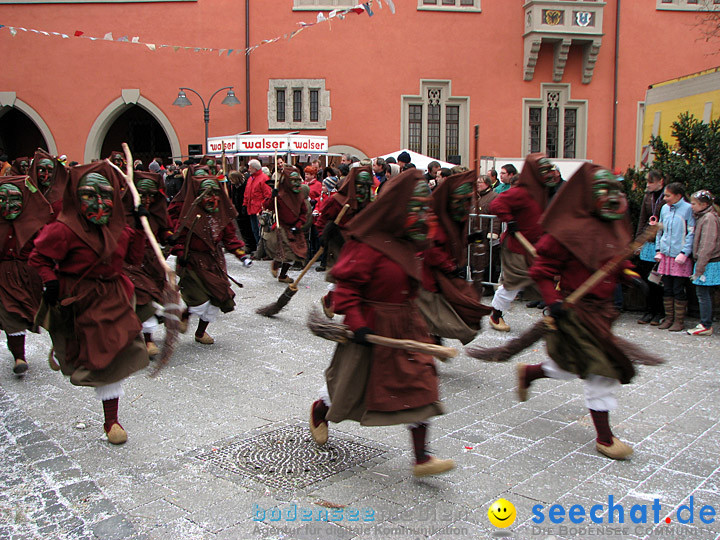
[684,5]
[565,101]
[475,8]
[446,99]
[322,5]
[305,85]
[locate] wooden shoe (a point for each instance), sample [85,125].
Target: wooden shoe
[183,326]
[327,310]
[285,279]
[522,387]
[617,450]
[205,339]
[152,349]
[21,366]
[433,466]
[274,271]
[498,323]
[320,432]
[116,435]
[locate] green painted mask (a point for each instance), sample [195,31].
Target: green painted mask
[416,224]
[211,200]
[201,172]
[460,201]
[363,183]
[45,171]
[212,167]
[295,181]
[118,158]
[610,201]
[24,166]
[148,191]
[11,201]
[95,194]
[549,174]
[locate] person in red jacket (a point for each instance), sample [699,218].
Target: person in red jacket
[449,303]
[520,208]
[586,225]
[378,275]
[206,226]
[355,192]
[95,332]
[23,212]
[285,242]
[257,192]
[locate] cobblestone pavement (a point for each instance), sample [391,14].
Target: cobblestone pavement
[218,445]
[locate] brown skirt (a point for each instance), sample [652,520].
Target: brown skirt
[20,294]
[347,378]
[204,279]
[514,270]
[284,246]
[441,318]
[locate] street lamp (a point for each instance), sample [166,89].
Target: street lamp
[183,101]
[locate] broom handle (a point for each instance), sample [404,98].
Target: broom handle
[277,183]
[520,237]
[294,285]
[413,346]
[611,265]
[144,220]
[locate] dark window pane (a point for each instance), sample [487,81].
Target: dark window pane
[433,140]
[452,131]
[297,105]
[280,103]
[467,3]
[448,2]
[552,132]
[314,94]
[415,128]
[535,128]
[430,2]
[569,133]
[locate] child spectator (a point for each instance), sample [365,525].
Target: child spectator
[706,252]
[673,248]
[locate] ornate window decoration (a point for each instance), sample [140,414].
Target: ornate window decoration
[449,5]
[298,104]
[555,124]
[688,5]
[435,122]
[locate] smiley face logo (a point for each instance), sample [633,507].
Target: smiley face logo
[502,513]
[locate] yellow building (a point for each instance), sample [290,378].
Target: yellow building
[697,94]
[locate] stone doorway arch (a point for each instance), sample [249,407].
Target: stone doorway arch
[22,129]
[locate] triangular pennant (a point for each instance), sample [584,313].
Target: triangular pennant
[108,37]
[230,51]
[366,6]
[391,5]
[135,40]
[123,38]
[78,33]
[176,48]
[150,46]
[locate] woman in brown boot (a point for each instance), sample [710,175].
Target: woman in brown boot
[378,275]
[23,212]
[94,329]
[673,251]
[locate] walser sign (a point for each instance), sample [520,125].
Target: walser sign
[268,144]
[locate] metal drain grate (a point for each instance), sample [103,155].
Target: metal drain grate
[288,459]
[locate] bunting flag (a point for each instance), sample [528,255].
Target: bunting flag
[364,7]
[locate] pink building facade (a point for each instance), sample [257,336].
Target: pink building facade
[567,77]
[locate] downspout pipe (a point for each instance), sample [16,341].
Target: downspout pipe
[247,66]
[615,85]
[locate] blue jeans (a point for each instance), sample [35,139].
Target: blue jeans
[704,295]
[255,226]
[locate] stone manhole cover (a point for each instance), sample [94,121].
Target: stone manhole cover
[288,458]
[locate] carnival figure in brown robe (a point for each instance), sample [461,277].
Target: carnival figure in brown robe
[206,225]
[50,175]
[520,208]
[451,305]
[285,241]
[20,167]
[355,192]
[23,212]
[148,277]
[378,276]
[586,225]
[91,320]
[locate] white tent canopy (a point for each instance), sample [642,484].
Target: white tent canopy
[419,160]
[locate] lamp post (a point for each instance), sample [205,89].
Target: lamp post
[183,101]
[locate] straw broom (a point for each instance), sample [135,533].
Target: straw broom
[286,296]
[335,331]
[547,324]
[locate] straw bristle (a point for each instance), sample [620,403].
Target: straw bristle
[172,312]
[511,347]
[323,328]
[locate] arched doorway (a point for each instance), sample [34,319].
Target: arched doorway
[19,136]
[143,133]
